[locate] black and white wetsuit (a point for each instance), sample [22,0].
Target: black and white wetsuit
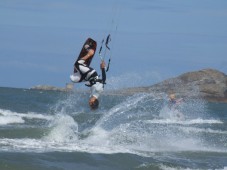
[83,72]
[97,85]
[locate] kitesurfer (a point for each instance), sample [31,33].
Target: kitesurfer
[96,85]
[173,104]
[84,73]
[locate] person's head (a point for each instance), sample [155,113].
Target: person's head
[94,103]
[172,96]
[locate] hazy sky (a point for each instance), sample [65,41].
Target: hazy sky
[154,39]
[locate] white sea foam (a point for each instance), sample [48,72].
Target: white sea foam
[9,117]
[102,141]
[184,122]
[36,145]
[4,120]
[202,130]
[134,137]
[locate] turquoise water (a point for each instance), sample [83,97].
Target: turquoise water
[56,130]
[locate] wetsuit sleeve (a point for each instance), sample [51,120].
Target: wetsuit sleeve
[103,75]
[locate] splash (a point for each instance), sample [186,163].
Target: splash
[63,129]
[133,125]
[128,125]
[123,112]
[135,79]
[71,105]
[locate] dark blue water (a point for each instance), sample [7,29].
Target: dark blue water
[56,130]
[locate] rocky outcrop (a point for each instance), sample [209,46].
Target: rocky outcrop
[208,83]
[68,87]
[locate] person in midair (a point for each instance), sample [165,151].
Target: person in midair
[84,73]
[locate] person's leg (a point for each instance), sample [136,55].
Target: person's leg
[81,67]
[75,77]
[85,71]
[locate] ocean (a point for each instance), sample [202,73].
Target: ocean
[52,130]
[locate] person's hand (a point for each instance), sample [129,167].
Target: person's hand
[102,65]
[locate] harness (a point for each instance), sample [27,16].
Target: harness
[94,80]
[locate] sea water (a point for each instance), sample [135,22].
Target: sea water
[57,131]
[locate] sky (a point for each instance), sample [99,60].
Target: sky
[151,40]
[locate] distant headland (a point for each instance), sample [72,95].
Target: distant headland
[209,84]
[68,87]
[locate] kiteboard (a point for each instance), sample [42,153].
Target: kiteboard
[89,44]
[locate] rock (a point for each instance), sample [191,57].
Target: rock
[208,83]
[211,83]
[68,87]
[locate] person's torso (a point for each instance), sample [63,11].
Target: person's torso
[97,89]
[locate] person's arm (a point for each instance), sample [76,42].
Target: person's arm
[88,55]
[102,66]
